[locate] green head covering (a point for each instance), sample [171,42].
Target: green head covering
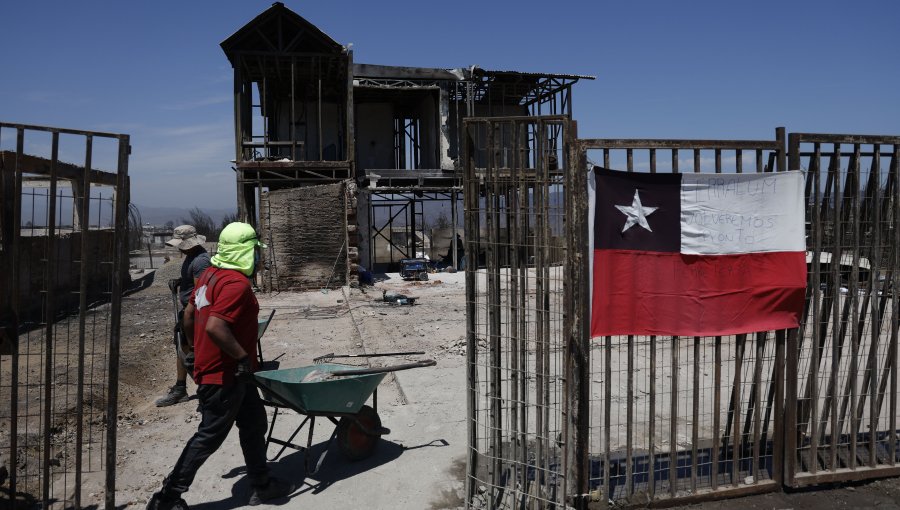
[235,251]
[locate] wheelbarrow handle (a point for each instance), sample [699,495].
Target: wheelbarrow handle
[382,370]
[332,355]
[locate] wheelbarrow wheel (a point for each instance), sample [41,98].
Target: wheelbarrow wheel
[358,435]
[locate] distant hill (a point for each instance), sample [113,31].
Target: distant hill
[160,215]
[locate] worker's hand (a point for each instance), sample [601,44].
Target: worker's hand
[189,363]
[173,284]
[243,373]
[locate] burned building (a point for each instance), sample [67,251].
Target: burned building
[336,160]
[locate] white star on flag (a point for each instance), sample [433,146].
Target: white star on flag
[636,213]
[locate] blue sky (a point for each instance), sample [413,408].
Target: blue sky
[665,69]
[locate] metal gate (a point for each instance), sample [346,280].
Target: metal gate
[684,418]
[841,410]
[557,419]
[63,229]
[515,194]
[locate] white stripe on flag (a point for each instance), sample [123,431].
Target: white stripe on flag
[742,213]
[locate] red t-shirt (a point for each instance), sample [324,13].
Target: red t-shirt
[226,294]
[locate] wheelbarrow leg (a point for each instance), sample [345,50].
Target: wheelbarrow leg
[284,444]
[322,455]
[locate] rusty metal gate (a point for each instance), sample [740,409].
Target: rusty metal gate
[684,418]
[515,248]
[556,418]
[63,229]
[841,412]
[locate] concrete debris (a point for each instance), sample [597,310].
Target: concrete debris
[458,346]
[316,376]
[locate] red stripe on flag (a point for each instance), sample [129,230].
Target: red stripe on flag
[654,293]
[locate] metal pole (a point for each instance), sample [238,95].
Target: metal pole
[14,372]
[121,256]
[49,318]
[82,313]
[471,201]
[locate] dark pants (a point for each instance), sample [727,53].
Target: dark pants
[222,407]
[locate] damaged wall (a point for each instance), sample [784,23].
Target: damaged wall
[306,232]
[32,276]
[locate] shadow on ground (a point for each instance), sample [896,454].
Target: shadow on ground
[292,468]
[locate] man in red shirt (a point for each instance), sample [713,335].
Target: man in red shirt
[221,322]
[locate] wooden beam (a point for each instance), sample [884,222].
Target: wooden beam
[29,164]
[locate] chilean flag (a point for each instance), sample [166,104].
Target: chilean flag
[697,254]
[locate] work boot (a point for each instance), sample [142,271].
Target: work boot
[160,502]
[274,489]
[176,395]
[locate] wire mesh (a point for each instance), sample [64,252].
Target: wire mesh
[59,239]
[845,385]
[681,417]
[514,257]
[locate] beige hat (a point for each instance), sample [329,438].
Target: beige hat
[185,238]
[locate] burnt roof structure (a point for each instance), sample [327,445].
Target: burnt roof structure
[307,115]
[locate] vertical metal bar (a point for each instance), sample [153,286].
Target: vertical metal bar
[652,431]
[545,183]
[736,443]
[651,467]
[818,334]
[673,423]
[49,317]
[607,409]
[717,404]
[757,401]
[874,342]
[540,284]
[895,308]
[120,270]
[695,416]
[492,203]
[836,318]
[512,221]
[470,201]
[522,243]
[854,299]
[14,371]
[82,312]
[872,298]
[779,376]
[778,426]
[790,430]
[629,421]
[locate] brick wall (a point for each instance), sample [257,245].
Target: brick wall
[305,230]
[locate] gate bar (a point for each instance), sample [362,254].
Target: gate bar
[895,174]
[49,314]
[121,251]
[82,312]
[14,372]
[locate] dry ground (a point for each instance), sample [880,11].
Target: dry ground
[418,466]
